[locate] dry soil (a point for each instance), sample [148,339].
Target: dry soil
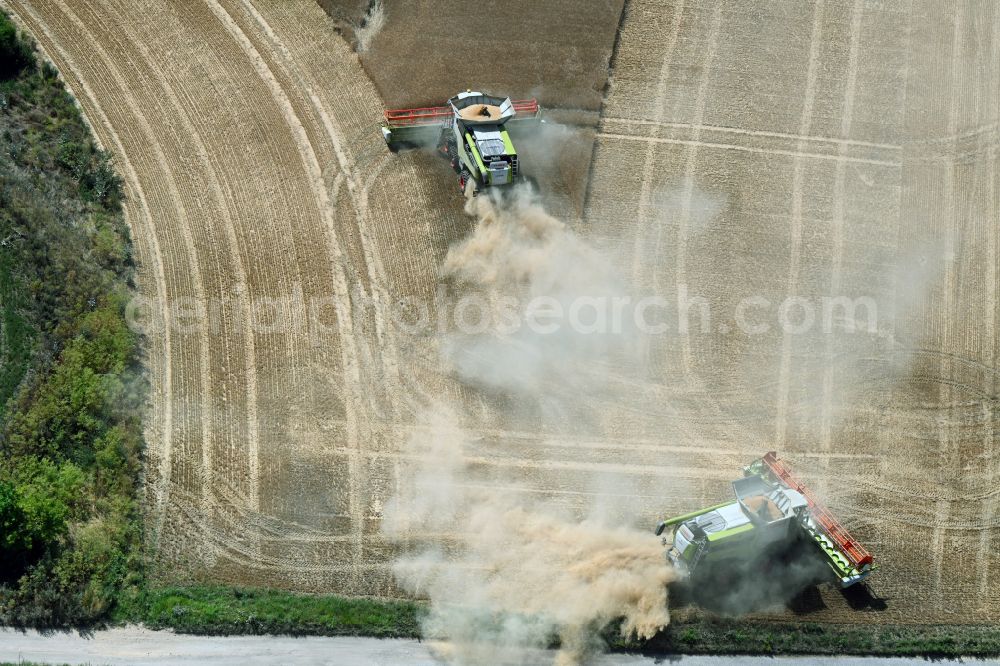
[755,149]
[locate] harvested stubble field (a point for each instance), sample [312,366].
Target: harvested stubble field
[557,52]
[818,150]
[767,149]
[426,51]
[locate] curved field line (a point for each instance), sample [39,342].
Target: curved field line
[329,100]
[216,191]
[259,230]
[358,191]
[296,119]
[166,103]
[174,194]
[244,182]
[309,159]
[339,110]
[315,173]
[105,133]
[153,194]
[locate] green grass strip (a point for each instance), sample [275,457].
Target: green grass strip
[734,636]
[231,611]
[210,610]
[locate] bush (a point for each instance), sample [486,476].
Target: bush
[15,54]
[70,435]
[49,496]
[17,334]
[36,506]
[12,533]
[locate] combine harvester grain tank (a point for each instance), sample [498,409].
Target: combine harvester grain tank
[472,131]
[772,508]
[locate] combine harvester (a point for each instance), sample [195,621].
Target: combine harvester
[471,131]
[772,511]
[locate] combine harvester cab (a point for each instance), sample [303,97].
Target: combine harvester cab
[471,131]
[771,508]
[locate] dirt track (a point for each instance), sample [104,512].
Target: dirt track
[131,646]
[817,163]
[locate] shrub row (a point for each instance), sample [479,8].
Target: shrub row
[70,382]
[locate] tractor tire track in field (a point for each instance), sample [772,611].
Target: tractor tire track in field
[242,185]
[164,164]
[216,195]
[154,280]
[832,177]
[247,136]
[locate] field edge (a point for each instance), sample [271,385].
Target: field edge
[228,611]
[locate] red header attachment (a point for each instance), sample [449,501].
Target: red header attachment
[854,550]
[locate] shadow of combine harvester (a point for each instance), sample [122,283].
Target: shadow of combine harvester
[769,548]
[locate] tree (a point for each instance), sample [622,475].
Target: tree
[11,519]
[43,501]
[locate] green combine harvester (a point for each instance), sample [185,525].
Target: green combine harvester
[471,131]
[771,510]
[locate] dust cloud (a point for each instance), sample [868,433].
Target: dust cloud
[526,267]
[508,573]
